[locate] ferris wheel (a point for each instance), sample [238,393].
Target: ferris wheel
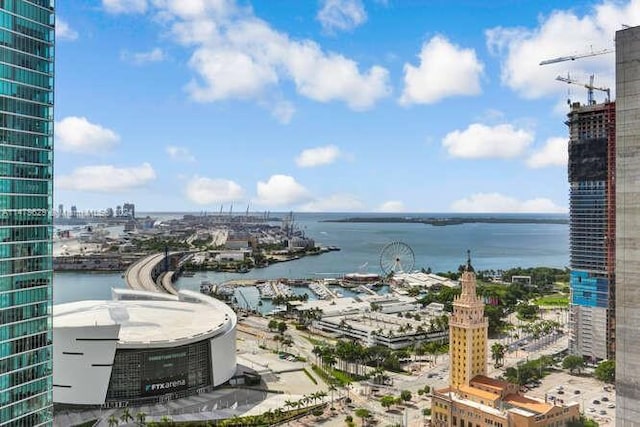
[397,257]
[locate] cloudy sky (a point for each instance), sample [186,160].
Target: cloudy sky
[323,105]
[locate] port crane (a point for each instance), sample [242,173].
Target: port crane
[590,87]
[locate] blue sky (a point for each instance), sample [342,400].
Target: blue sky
[323,105]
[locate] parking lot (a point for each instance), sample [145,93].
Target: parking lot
[596,402]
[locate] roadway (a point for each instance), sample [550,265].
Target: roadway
[139,275]
[167,283]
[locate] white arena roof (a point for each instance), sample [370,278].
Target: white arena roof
[166,321]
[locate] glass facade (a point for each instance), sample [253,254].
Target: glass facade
[588,226]
[26,139]
[588,290]
[139,375]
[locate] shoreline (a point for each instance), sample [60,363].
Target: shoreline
[450,221]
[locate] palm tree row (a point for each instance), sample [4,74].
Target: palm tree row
[126,417]
[305,400]
[269,417]
[543,328]
[349,356]
[354,358]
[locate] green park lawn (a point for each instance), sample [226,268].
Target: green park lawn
[552,300]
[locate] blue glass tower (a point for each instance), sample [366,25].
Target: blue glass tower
[26,142]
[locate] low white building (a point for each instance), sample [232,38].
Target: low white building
[423,280]
[373,328]
[235,256]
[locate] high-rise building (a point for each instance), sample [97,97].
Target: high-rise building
[628,227]
[468,330]
[26,139]
[129,209]
[591,173]
[473,398]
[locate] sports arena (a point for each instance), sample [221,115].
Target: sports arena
[141,347]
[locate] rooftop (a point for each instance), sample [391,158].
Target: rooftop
[527,403]
[478,393]
[488,382]
[146,319]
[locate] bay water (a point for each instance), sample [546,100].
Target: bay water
[441,248]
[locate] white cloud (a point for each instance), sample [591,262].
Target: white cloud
[142,58]
[555,152]
[318,156]
[207,191]
[445,70]
[562,33]
[481,141]
[106,178]
[496,202]
[228,74]
[64,31]
[125,6]
[239,56]
[341,15]
[281,190]
[391,206]
[79,135]
[180,153]
[334,203]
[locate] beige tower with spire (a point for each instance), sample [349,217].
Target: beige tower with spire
[472,398]
[467,332]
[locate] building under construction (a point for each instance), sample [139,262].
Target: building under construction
[592,203]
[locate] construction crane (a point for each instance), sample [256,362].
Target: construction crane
[578,56]
[589,86]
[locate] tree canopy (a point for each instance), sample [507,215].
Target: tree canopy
[606,371]
[573,363]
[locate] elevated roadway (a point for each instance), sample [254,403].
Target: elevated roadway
[148,274]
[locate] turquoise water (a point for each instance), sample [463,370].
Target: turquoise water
[68,287]
[493,246]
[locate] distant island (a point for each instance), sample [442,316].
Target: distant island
[452,220]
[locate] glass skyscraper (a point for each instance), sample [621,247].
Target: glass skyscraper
[26,142]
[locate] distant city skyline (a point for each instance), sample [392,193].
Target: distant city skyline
[334,105]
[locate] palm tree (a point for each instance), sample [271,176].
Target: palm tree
[332,388]
[126,416]
[321,395]
[497,353]
[304,401]
[141,418]
[268,416]
[317,351]
[363,414]
[113,421]
[312,397]
[290,404]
